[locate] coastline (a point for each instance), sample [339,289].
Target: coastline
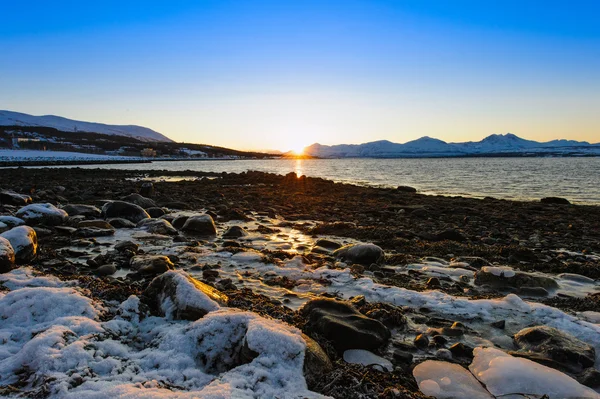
[424,237]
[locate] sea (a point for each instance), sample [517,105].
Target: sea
[577,179]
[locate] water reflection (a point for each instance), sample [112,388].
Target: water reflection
[298,168]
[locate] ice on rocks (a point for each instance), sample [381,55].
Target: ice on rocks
[500,271]
[444,380]
[366,358]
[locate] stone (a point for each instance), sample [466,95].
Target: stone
[506,277]
[451,235]
[83,210]
[421,341]
[363,254]
[9,197]
[99,224]
[11,221]
[140,200]
[147,189]
[188,298]
[7,256]
[433,282]
[406,189]
[590,377]
[555,200]
[327,244]
[46,214]
[316,361]
[500,324]
[157,226]
[106,270]
[343,325]
[461,350]
[151,264]
[120,223]
[563,350]
[23,240]
[120,209]
[235,232]
[155,212]
[179,221]
[127,246]
[203,225]
[86,232]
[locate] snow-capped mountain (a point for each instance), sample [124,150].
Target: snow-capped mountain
[10,118]
[501,144]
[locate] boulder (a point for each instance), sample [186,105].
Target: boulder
[106,270]
[179,221]
[157,226]
[147,189]
[120,209]
[343,325]
[23,240]
[140,200]
[120,223]
[7,256]
[150,264]
[506,277]
[235,232]
[155,212]
[364,254]
[11,221]
[178,296]
[200,225]
[46,214]
[9,197]
[554,348]
[83,210]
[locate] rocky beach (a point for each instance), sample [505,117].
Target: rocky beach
[187,284]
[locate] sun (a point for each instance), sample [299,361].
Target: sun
[297,149]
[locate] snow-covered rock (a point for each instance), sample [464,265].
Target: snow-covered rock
[23,239]
[11,198]
[11,221]
[47,214]
[7,255]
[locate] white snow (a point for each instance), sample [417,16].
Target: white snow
[187,295]
[27,277]
[20,237]
[500,271]
[366,358]
[38,211]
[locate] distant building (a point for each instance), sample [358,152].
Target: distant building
[148,152]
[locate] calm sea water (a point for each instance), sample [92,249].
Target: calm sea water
[577,179]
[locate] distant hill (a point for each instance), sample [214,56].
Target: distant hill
[10,118]
[496,144]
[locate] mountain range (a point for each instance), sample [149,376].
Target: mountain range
[11,118]
[498,144]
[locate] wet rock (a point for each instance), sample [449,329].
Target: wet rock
[106,270]
[506,277]
[555,200]
[363,254]
[7,256]
[11,198]
[210,274]
[179,221]
[235,232]
[155,212]
[421,341]
[177,295]
[147,189]
[203,225]
[46,214]
[127,246]
[83,210]
[151,264]
[406,189]
[567,352]
[461,350]
[402,357]
[120,209]
[157,226]
[433,283]
[316,361]
[590,377]
[343,325]
[439,340]
[120,223]
[328,244]
[140,200]
[99,224]
[86,232]
[23,240]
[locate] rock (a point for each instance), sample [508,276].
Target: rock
[157,226]
[461,350]
[179,221]
[46,214]
[23,240]
[590,377]
[363,254]
[565,351]
[500,324]
[140,200]
[120,223]
[7,256]
[451,235]
[555,200]
[151,264]
[155,212]
[439,340]
[83,210]
[106,270]
[86,232]
[177,295]
[421,341]
[120,209]
[11,221]
[147,189]
[200,225]
[316,361]
[366,358]
[340,323]
[127,246]
[9,197]
[433,282]
[406,189]
[402,357]
[235,232]
[327,244]
[99,224]
[506,277]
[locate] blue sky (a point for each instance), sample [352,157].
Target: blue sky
[284,74]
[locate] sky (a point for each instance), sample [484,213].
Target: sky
[285,74]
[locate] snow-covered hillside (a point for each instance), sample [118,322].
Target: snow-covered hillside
[10,118]
[430,147]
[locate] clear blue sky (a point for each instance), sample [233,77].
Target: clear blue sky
[283,74]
